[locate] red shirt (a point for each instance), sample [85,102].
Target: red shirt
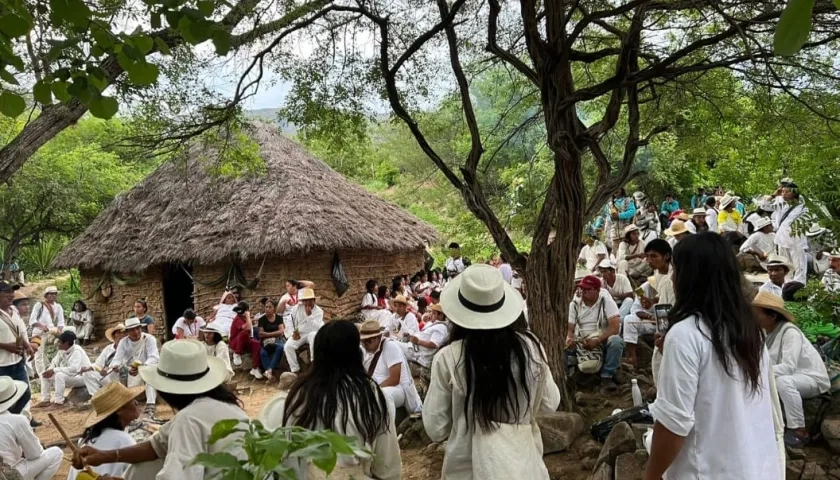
[237,326]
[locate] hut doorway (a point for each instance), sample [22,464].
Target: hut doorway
[177,293]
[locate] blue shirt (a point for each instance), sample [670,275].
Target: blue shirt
[698,202]
[670,207]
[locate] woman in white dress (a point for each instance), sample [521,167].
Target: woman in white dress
[336,392]
[223,314]
[714,410]
[114,408]
[216,347]
[81,318]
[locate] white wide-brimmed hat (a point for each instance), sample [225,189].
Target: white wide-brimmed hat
[630,229]
[815,230]
[109,333]
[480,299]
[132,323]
[698,212]
[677,227]
[639,195]
[834,253]
[726,200]
[761,223]
[10,392]
[184,368]
[606,263]
[778,261]
[211,327]
[49,290]
[307,294]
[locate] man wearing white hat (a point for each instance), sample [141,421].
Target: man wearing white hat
[387,365]
[676,232]
[819,247]
[631,254]
[831,277]
[65,370]
[135,349]
[788,208]
[47,321]
[618,286]
[306,319]
[758,247]
[697,223]
[777,269]
[19,447]
[102,373]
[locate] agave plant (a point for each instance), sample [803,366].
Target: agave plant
[39,257]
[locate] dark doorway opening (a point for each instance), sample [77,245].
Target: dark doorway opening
[177,293]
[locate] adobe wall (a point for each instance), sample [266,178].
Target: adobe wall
[120,305]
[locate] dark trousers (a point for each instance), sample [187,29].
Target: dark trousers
[18,372]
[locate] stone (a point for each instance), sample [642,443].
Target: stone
[589,449]
[78,396]
[559,430]
[628,467]
[8,472]
[793,469]
[639,430]
[603,472]
[286,380]
[413,434]
[831,432]
[620,440]
[813,471]
[586,399]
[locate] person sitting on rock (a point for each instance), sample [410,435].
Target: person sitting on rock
[242,339]
[387,365]
[188,326]
[797,366]
[594,320]
[754,253]
[421,347]
[631,254]
[136,349]
[640,321]
[20,448]
[65,370]
[306,318]
[216,347]
[102,373]
[404,323]
[81,318]
[777,270]
[619,287]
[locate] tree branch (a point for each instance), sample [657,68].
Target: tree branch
[494,48]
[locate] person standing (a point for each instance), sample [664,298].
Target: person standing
[101,372]
[136,349]
[489,384]
[65,370]
[712,214]
[619,213]
[713,410]
[47,321]
[14,346]
[454,264]
[306,319]
[19,447]
[789,206]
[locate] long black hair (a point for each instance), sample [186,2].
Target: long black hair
[94,431]
[708,284]
[180,401]
[496,363]
[337,385]
[370,285]
[79,302]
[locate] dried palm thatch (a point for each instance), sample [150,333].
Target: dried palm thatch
[181,213]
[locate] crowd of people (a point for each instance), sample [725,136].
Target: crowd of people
[726,365]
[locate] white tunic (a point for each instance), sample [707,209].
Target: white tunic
[224,318]
[790,352]
[17,440]
[763,242]
[106,358]
[41,315]
[11,328]
[222,352]
[407,326]
[589,254]
[729,429]
[190,331]
[712,219]
[70,361]
[144,351]
[622,285]
[109,439]
[302,323]
[771,287]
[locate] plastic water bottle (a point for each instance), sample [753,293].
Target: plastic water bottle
[637,393]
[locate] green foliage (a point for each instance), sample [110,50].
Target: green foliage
[38,258]
[270,453]
[794,27]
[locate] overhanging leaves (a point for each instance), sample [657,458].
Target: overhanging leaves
[794,27]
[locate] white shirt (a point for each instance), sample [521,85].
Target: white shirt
[712,219]
[70,361]
[443,414]
[42,315]
[506,271]
[391,355]
[370,300]
[831,281]
[8,335]
[190,331]
[784,237]
[590,319]
[105,359]
[109,439]
[436,333]
[385,464]
[144,351]
[729,429]
[224,318]
[222,352]
[406,326]
[185,436]
[649,235]
[454,265]
[790,352]
[665,286]
[622,285]
[291,303]
[17,440]
[763,242]
[771,287]
[589,254]
[625,249]
[305,324]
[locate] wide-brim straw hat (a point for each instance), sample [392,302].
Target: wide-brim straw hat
[773,302]
[779,261]
[10,392]
[307,294]
[606,263]
[683,216]
[697,212]
[185,369]
[761,223]
[815,230]
[19,295]
[132,323]
[109,333]
[677,227]
[400,299]
[435,307]
[727,200]
[49,290]
[480,299]
[109,399]
[630,229]
[370,329]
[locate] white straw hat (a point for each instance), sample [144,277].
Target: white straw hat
[606,263]
[480,299]
[109,333]
[132,323]
[184,368]
[698,212]
[49,290]
[778,261]
[815,230]
[726,200]
[761,223]
[10,392]
[307,294]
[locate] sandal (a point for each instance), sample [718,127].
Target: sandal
[794,440]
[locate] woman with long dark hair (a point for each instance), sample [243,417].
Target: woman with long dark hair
[192,384]
[488,384]
[713,411]
[336,392]
[82,318]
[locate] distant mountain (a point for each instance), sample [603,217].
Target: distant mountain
[270,115]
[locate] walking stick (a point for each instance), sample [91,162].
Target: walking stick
[71,444]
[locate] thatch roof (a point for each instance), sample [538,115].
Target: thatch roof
[182,213]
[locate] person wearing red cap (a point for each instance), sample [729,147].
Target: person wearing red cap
[595,312]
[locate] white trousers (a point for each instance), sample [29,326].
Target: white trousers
[59,382]
[136,381]
[94,380]
[633,327]
[144,471]
[792,390]
[83,330]
[799,259]
[624,307]
[310,339]
[395,396]
[291,348]
[42,468]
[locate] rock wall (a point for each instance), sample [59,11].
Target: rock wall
[120,304]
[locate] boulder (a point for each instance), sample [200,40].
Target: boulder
[413,434]
[8,472]
[812,471]
[589,449]
[559,430]
[286,380]
[620,440]
[831,432]
[629,466]
[793,469]
[78,396]
[603,472]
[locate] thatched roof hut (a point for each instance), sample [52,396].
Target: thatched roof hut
[286,223]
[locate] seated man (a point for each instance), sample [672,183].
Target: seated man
[386,364]
[21,449]
[422,346]
[593,253]
[403,322]
[831,277]
[759,246]
[631,255]
[641,320]
[306,319]
[619,287]
[102,373]
[65,370]
[777,269]
[135,349]
[595,322]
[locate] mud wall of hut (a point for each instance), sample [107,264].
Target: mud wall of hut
[316,267]
[120,304]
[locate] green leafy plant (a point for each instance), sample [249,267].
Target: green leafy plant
[269,453]
[39,257]
[794,26]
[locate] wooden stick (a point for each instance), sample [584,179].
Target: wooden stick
[70,443]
